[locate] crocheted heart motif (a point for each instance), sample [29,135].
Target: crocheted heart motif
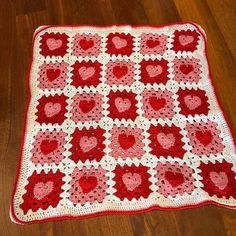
[119,42]
[166,140]
[131,181]
[204,137]
[186,68]
[219,179]
[153,71]
[185,39]
[174,178]
[86,44]
[47,146]
[192,102]
[122,104]
[120,71]
[86,106]
[53,74]
[151,43]
[86,72]
[52,109]
[157,103]
[88,143]
[54,43]
[88,183]
[41,189]
[126,141]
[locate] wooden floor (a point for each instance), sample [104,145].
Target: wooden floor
[19,19]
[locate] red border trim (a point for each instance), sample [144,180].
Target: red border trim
[157,207]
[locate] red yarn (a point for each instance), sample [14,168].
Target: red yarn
[218,188]
[50,198]
[93,152]
[175,146]
[192,46]
[59,117]
[126,50]
[58,51]
[141,190]
[130,112]
[193,97]
[157,65]
[92,80]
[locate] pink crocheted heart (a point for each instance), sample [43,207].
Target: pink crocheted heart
[51,109]
[219,179]
[131,181]
[86,72]
[192,102]
[88,143]
[41,189]
[119,42]
[185,39]
[122,104]
[53,43]
[153,70]
[166,140]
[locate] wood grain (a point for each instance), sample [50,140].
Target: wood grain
[19,19]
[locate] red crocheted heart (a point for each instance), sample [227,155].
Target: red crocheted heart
[88,183]
[126,141]
[48,146]
[52,74]
[157,103]
[86,106]
[204,137]
[151,43]
[86,44]
[186,68]
[175,179]
[120,71]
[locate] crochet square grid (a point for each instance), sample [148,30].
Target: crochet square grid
[163,173]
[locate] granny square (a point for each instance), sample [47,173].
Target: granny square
[121,120]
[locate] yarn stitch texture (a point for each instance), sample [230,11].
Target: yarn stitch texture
[121,120]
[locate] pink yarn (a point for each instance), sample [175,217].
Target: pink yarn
[97,194]
[214,147]
[159,49]
[164,186]
[135,151]
[95,113]
[58,82]
[165,112]
[53,157]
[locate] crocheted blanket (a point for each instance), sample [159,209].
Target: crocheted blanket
[121,120]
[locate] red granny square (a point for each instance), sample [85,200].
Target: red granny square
[86,73]
[154,71]
[122,105]
[51,109]
[87,144]
[121,120]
